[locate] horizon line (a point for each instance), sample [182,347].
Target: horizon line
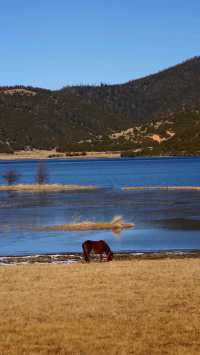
[100,84]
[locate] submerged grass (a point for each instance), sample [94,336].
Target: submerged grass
[127,188]
[123,307]
[46,187]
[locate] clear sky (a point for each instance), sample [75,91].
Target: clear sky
[51,43]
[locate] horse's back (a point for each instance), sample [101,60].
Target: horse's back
[99,246]
[102,245]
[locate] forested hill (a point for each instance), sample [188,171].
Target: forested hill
[85,117]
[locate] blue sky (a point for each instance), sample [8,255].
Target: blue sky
[55,43]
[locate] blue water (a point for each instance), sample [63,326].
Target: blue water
[164,220]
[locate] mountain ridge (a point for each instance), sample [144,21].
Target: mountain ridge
[44,119]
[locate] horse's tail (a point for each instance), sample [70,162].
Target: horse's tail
[85,251]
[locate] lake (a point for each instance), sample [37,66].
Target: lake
[164,219]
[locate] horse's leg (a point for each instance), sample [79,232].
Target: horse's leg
[101,257]
[86,257]
[86,254]
[109,256]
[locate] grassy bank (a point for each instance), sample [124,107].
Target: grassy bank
[123,307]
[46,187]
[49,154]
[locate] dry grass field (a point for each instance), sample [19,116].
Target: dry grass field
[123,307]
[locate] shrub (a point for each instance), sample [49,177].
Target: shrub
[42,175]
[11,177]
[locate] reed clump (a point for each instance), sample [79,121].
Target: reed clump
[117,224]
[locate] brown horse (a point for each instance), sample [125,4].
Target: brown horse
[98,247]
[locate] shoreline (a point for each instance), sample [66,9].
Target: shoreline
[53,154]
[76,257]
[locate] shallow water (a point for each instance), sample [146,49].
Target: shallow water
[164,220]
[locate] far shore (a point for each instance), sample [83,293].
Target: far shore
[53,154]
[37,154]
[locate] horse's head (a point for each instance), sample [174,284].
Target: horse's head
[110,256]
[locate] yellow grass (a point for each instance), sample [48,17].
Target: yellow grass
[33,154]
[46,187]
[161,188]
[123,307]
[117,224]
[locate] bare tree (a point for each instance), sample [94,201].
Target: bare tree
[42,175]
[11,177]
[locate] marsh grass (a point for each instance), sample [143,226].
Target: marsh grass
[127,188]
[123,307]
[46,187]
[116,225]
